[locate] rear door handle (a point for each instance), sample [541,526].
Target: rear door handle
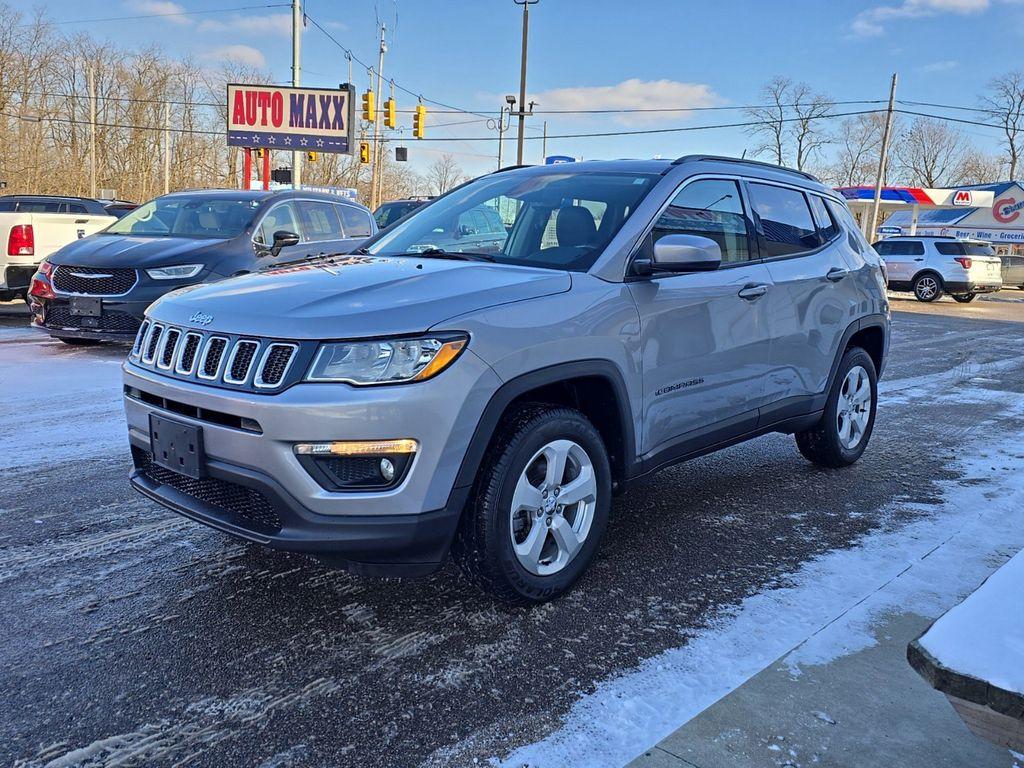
[918,259]
[836,274]
[753,291]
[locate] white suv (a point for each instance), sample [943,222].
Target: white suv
[932,266]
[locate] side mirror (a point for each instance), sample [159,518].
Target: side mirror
[283,239]
[686,253]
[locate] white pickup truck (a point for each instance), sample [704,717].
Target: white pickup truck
[34,226]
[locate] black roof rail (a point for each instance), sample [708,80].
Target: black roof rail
[756,163]
[512,168]
[50,197]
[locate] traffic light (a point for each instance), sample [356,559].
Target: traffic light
[312,156]
[401,154]
[419,120]
[369,107]
[260,152]
[390,118]
[364,153]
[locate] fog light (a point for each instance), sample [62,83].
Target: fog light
[358,465]
[357,447]
[387,470]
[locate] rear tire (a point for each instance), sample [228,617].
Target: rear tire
[515,540]
[966,298]
[842,434]
[75,342]
[928,287]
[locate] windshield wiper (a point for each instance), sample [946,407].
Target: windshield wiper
[440,253]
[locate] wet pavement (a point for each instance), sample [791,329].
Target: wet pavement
[135,637]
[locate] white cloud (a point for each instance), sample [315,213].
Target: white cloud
[940,66]
[162,7]
[244,54]
[268,24]
[631,94]
[872,22]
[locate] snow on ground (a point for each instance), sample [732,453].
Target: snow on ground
[58,401]
[983,637]
[825,611]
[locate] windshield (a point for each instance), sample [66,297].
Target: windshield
[182,216]
[389,213]
[553,220]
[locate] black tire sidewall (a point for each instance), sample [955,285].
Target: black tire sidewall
[852,358]
[556,425]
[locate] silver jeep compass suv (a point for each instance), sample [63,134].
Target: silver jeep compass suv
[382,409]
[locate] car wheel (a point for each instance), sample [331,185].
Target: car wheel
[966,298]
[74,342]
[539,508]
[928,287]
[842,434]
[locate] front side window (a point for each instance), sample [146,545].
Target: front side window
[280,218]
[184,216]
[786,222]
[356,221]
[319,221]
[554,219]
[709,208]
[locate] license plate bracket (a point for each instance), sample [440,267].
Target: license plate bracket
[86,306]
[177,446]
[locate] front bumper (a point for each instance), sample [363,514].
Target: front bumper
[120,320]
[405,529]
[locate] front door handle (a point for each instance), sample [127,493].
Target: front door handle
[836,274]
[753,291]
[918,259]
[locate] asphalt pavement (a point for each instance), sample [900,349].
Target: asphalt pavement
[135,637]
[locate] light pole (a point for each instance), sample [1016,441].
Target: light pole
[522,79]
[296,81]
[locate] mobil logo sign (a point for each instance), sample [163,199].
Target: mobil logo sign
[1007,209]
[272,117]
[963,197]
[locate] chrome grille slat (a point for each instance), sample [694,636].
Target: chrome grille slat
[240,361]
[212,357]
[189,356]
[152,343]
[169,345]
[140,337]
[274,364]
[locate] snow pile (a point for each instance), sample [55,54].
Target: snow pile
[983,637]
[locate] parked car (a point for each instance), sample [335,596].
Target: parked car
[1013,270]
[118,208]
[35,226]
[933,266]
[390,212]
[98,288]
[381,409]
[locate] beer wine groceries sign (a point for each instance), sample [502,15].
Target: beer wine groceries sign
[301,119]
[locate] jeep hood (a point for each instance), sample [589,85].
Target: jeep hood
[132,251]
[354,296]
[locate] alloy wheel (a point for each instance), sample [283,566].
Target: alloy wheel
[927,288]
[853,410]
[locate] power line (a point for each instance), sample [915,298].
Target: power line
[947,118]
[632,110]
[164,15]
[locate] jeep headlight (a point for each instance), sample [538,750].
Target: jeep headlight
[386,361]
[177,272]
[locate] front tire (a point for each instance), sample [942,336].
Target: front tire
[928,287]
[842,434]
[539,508]
[966,298]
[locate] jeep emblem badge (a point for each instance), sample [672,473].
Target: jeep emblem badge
[199,318]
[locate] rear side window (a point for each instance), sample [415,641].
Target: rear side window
[827,226]
[709,208]
[357,222]
[900,248]
[74,208]
[319,221]
[947,248]
[841,213]
[39,206]
[786,221]
[8,206]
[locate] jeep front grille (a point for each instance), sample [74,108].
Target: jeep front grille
[218,359]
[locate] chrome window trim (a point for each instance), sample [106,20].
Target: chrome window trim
[59,267]
[206,352]
[227,377]
[158,358]
[182,343]
[257,380]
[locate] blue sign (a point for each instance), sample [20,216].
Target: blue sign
[889,230]
[558,159]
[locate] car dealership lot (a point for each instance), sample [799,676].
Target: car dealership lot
[137,636]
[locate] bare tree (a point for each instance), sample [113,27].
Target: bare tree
[858,142]
[1005,99]
[444,173]
[790,122]
[931,154]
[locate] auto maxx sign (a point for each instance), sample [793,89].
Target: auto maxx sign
[303,119]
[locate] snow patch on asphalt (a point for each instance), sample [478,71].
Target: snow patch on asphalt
[59,402]
[824,613]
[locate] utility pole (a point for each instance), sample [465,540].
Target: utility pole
[167,148]
[522,80]
[92,132]
[501,131]
[296,81]
[883,157]
[378,152]
[544,144]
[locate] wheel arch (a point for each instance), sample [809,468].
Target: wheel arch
[594,387]
[928,271]
[870,334]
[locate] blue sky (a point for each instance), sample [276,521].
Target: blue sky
[601,53]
